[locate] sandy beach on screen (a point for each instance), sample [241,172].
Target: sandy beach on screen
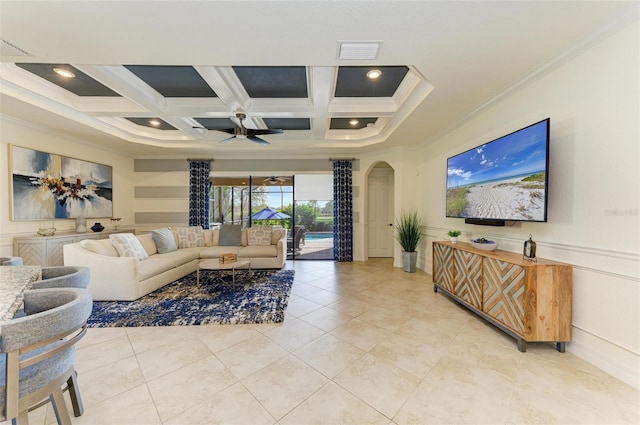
[508,198]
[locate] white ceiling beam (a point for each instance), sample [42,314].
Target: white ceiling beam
[321,88]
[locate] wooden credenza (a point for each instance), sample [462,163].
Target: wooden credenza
[530,301]
[47,250]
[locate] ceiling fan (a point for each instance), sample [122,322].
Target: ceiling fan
[276,179]
[247,133]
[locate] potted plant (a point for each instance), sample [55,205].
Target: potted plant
[409,232]
[453,235]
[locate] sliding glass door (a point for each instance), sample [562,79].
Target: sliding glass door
[303,205]
[313,236]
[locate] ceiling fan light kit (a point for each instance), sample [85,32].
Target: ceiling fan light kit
[247,133]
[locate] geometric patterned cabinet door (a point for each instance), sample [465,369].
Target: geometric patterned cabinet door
[531,301]
[467,277]
[504,285]
[443,267]
[54,250]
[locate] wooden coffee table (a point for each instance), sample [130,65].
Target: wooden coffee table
[221,267]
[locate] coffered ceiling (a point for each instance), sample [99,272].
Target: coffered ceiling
[168,78]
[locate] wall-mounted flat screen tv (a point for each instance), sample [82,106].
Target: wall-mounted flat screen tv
[502,180]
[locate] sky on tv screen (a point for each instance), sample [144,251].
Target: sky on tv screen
[517,154]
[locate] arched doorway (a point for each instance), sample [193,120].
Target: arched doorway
[380,195]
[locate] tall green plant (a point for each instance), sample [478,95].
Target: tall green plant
[409,230]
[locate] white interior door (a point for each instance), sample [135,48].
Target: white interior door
[380,209]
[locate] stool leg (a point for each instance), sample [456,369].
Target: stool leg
[74,393]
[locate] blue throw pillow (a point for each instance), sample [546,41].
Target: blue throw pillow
[230,235]
[165,242]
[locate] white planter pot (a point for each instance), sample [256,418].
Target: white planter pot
[454,239]
[409,260]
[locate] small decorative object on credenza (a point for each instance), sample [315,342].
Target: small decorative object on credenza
[81,224]
[47,231]
[529,250]
[484,244]
[228,258]
[453,235]
[115,221]
[97,227]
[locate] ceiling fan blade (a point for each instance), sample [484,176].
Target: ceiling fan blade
[228,130]
[258,140]
[228,139]
[258,132]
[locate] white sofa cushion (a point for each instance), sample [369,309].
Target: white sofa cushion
[128,245]
[217,251]
[181,256]
[258,251]
[153,266]
[189,237]
[102,247]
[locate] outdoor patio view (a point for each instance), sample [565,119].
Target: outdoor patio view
[254,200]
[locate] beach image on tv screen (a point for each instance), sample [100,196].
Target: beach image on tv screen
[503,179]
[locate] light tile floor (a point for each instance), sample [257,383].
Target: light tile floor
[362,343]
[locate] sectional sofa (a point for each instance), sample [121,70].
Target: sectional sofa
[124,270]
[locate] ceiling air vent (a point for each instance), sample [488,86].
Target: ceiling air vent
[10,49]
[363,50]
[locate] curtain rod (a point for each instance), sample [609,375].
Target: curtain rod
[200,159]
[342,159]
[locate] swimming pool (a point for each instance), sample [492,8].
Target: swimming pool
[314,236]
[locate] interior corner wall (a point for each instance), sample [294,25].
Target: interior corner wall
[13,132]
[593,213]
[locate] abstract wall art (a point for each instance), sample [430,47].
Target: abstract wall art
[47,186]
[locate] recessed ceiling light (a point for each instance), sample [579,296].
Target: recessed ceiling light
[155,123]
[354,122]
[64,72]
[374,73]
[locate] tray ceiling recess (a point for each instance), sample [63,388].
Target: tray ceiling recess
[188,106]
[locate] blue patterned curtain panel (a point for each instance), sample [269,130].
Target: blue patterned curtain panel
[199,193]
[342,211]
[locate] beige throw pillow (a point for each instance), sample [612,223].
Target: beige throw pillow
[148,244]
[189,237]
[259,236]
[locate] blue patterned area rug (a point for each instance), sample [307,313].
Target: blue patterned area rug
[263,299]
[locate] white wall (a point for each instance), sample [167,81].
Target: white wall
[593,217]
[21,134]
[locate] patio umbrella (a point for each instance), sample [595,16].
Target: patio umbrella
[269,214]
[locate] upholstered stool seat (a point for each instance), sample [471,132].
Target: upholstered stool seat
[11,261]
[63,277]
[38,351]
